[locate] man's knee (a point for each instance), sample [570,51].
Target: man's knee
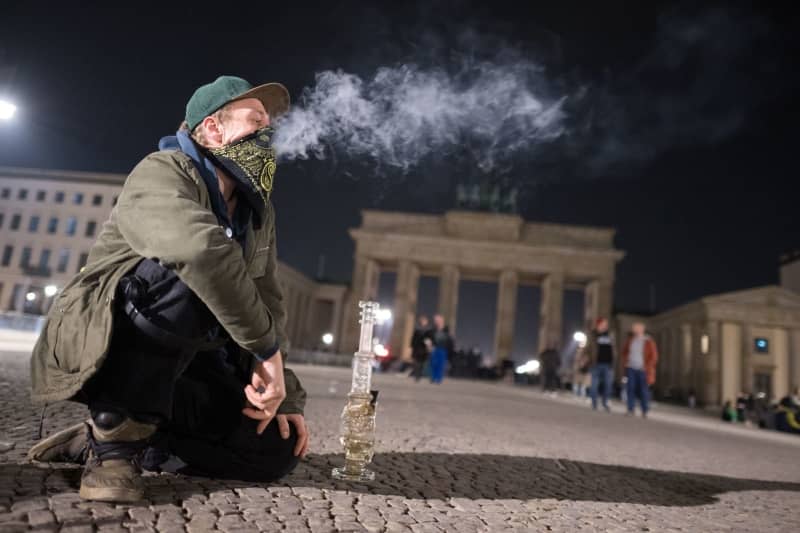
[269,454]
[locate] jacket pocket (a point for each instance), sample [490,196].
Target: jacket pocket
[258,266]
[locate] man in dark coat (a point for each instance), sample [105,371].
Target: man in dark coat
[174,332]
[421,346]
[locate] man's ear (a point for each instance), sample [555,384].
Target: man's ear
[213,130]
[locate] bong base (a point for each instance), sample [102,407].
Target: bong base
[344,475]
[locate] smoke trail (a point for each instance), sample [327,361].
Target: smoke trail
[403,114]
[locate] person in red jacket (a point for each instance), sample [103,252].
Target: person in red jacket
[639,359]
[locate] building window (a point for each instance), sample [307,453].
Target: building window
[77,198]
[59,197]
[8,251]
[72,225]
[63,260]
[33,224]
[84,257]
[22,194]
[25,259]
[40,196]
[44,259]
[97,199]
[2,218]
[6,193]
[761,345]
[52,225]
[15,222]
[91,227]
[704,344]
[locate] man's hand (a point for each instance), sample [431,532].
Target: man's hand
[301,448]
[266,391]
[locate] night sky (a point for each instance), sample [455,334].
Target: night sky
[680,118]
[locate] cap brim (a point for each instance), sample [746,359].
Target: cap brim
[274,96]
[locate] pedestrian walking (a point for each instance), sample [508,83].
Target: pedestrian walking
[602,354]
[442,348]
[639,359]
[551,361]
[580,373]
[421,346]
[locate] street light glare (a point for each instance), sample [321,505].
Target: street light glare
[383,315]
[31,296]
[327,339]
[50,290]
[7,110]
[579,337]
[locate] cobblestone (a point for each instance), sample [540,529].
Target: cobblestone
[471,457]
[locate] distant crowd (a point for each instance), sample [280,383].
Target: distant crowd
[434,355]
[756,410]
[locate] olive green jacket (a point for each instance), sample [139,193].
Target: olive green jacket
[164,212]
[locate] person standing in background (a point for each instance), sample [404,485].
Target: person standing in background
[442,347]
[602,354]
[421,344]
[639,359]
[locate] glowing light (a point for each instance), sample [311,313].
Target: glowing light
[380,350]
[579,337]
[383,315]
[31,296]
[327,339]
[50,290]
[7,110]
[531,367]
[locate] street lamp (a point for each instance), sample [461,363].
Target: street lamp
[50,290]
[7,110]
[327,339]
[31,296]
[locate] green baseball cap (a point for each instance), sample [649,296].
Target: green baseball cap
[226,89]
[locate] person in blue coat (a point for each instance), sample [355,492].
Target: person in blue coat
[442,348]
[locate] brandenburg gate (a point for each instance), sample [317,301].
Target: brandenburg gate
[487,247]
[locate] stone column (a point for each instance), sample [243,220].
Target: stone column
[747,358]
[336,323]
[731,358]
[506,314]
[781,381]
[366,273]
[551,311]
[304,315]
[794,355]
[405,309]
[597,301]
[448,295]
[713,365]
[6,297]
[687,363]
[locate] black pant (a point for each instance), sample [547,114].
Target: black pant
[195,397]
[419,366]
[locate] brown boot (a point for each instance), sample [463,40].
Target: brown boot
[69,445]
[112,472]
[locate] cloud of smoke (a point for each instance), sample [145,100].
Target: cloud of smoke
[403,114]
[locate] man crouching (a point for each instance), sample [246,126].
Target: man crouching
[174,333]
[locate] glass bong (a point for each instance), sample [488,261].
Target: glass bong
[358,417]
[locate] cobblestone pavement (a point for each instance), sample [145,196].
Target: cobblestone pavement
[461,456]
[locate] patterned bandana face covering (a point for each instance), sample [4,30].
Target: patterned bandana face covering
[251,162]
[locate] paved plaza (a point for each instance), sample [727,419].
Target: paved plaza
[462,456]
